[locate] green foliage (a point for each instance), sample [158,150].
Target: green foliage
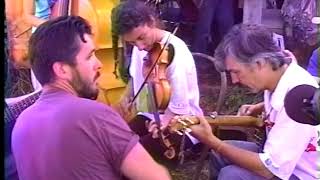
[118,54]
[237,96]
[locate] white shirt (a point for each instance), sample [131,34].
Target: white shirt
[291,147]
[182,76]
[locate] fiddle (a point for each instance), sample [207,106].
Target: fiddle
[160,56]
[159,90]
[154,70]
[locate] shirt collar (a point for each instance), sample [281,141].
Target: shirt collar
[277,96]
[165,37]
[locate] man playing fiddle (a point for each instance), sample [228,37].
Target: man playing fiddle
[137,25]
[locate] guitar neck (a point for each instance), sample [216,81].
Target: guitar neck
[220,120]
[231,120]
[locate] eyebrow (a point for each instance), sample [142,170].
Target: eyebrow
[232,70]
[91,52]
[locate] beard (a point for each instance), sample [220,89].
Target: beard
[84,88]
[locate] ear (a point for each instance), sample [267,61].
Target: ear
[260,64]
[61,70]
[153,22]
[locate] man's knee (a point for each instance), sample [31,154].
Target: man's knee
[216,163]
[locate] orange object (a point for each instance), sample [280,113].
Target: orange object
[160,58]
[98,13]
[19,33]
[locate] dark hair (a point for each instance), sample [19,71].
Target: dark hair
[131,14]
[56,41]
[245,42]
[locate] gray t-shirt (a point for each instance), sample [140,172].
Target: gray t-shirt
[62,136]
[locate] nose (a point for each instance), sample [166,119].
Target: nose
[98,63]
[234,79]
[140,46]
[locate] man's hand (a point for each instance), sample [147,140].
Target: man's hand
[126,109]
[153,128]
[250,109]
[202,131]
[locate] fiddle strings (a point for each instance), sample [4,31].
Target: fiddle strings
[154,64]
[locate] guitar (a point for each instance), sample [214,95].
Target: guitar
[184,122]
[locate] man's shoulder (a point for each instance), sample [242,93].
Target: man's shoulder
[177,41]
[296,75]
[83,105]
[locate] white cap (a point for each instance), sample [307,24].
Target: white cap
[315,20]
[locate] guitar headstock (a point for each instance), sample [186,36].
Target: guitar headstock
[181,124]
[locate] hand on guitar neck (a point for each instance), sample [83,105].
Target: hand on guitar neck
[179,124]
[251,109]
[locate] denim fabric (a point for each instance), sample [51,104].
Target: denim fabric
[220,12]
[220,168]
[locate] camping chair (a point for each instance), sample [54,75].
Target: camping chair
[13,108]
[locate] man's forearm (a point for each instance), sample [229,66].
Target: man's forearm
[243,158]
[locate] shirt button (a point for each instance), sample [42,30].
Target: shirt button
[268,162]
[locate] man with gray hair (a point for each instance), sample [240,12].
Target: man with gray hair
[249,54]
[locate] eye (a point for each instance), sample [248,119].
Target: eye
[141,37]
[92,54]
[235,72]
[132,43]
